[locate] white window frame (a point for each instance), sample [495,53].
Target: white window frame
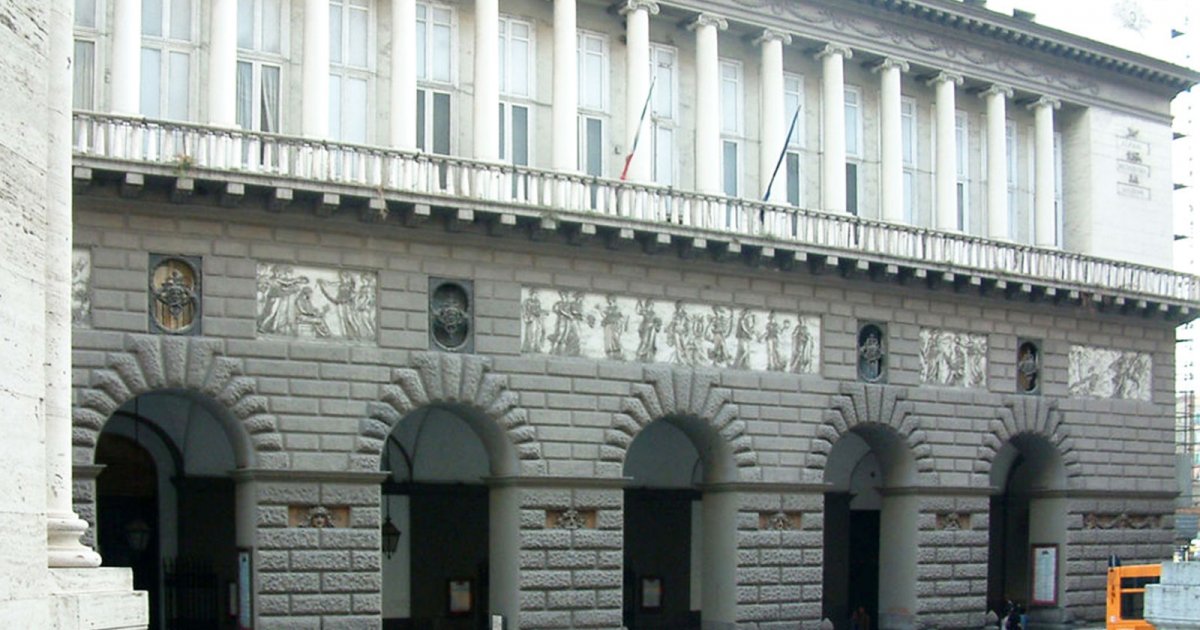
[506,36]
[1059,209]
[793,94]
[908,156]
[259,58]
[166,45]
[736,135]
[1011,143]
[506,145]
[423,75]
[586,111]
[91,35]
[426,94]
[346,70]
[854,151]
[962,169]
[665,122]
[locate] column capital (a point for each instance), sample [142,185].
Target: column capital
[630,6]
[829,50]
[941,77]
[773,35]
[887,63]
[1044,101]
[708,19]
[996,88]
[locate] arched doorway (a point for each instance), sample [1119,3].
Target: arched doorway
[1027,509]
[166,505]
[456,561]
[680,546]
[870,529]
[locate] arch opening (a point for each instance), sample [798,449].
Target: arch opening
[166,503]
[1027,508]
[680,547]
[870,536]
[456,562]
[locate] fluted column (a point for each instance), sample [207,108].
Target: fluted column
[833,125]
[637,80]
[63,526]
[222,63]
[891,139]
[1045,224]
[997,161]
[315,104]
[404,75]
[565,109]
[487,80]
[773,123]
[708,99]
[127,56]
[946,169]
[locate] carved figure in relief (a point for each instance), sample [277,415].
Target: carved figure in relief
[342,294]
[534,317]
[81,298]
[720,325]
[802,349]
[309,315]
[648,330]
[773,330]
[364,305]
[975,351]
[678,331]
[612,322]
[699,333]
[1027,369]
[277,293]
[569,314]
[1128,373]
[745,335]
[870,355]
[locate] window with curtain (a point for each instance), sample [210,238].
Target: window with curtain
[435,33]
[731,127]
[854,149]
[349,69]
[260,64]
[908,156]
[793,101]
[1010,151]
[168,45]
[516,87]
[962,185]
[84,69]
[664,115]
[592,58]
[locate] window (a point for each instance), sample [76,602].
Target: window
[1010,149]
[167,36]
[908,156]
[516,59]
[592,56]
[854,149]
[260,63]
[434,35]
[84,67]
[793,101]
[1058,189]
[433,121]
[349,70]
[731,127]
[962,169]
[664,117]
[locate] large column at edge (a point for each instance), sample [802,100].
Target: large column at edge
[833,124]
[127,57]
[946,167]
[774,120]
[1044,220]
[315,102]
[997,162]
[708,99]
[487,80]
[891,139]
[565,108]
[403,119]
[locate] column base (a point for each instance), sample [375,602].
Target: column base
[63,549]
[1055,618]
[99,599]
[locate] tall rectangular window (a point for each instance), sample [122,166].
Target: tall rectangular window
[349,69]
[1010,151]
[516,87]
[962,171]
[1059,209]
[167,48]
[259,65]
[435,27]
[793,102]
[84,68]
[908,156]
[664,118]
[854,148]
[731,127]
[433,121]
[592,57]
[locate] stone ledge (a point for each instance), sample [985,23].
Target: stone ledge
[97,599]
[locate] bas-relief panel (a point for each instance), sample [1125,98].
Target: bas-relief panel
[1103,373]
[81,287]
[316,302]
[953,358]
[610,326]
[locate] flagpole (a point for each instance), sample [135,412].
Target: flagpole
[641,124]
[782,154]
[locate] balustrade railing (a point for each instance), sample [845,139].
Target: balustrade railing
[189,146]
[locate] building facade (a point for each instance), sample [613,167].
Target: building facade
[379,319]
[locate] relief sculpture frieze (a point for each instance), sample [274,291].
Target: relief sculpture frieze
[81,287]
[622,328]
[316,302]
[953,358]
[1094,372]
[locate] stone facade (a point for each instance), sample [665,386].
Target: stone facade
[313,409]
